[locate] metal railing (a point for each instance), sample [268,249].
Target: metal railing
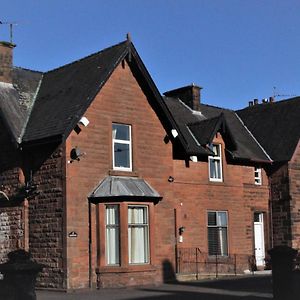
[194,261]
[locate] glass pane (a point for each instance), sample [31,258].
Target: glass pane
[222,218]
[138,235]
[216,150]
[212,219]
[212,240]
[121,132]
[215,168]
[122,155]
[112,215]
[137,215]
[223,248]
[112,248]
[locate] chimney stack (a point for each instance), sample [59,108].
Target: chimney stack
[6,61]
[190,95]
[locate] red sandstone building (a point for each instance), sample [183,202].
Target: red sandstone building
[108,183]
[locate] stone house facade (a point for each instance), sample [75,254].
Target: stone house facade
[106,182]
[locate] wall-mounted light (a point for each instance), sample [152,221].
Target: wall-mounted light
[174,133]
[181,230]
[84,121]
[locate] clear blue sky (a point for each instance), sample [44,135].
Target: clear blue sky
[236,50]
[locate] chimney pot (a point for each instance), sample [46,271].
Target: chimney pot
[255,101]
[271,99]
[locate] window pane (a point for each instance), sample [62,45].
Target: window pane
[112,235]
[212,220]
[122,156]
[138,235]
[216,150]
[217,233]
[222,218]
[121,132]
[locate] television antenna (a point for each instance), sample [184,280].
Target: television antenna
[280,95]
[11,24]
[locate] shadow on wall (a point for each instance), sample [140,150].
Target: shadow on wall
[168,271]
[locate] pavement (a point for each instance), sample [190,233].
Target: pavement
[252,287]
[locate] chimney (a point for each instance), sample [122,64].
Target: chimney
[250,103]
[190,95]
[6,61]
[255,101]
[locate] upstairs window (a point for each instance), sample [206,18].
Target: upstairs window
[217,223]
[257,176]
[215,163]
[121,140]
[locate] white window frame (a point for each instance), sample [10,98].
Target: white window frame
[219,226]
[122,142]
[146,237]
[215,159]
[257,176]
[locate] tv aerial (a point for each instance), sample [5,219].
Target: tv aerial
[10,24]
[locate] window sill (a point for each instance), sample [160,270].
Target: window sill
[123,173]
[127,269]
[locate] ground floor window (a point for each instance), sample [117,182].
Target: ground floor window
[138,234]
[125,233]
[217,227]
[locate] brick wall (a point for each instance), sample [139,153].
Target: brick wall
[237,194]
[11,212]
[281,214]
[46,212]
[294,175]
[121,100]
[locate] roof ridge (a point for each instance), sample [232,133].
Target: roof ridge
[29,70]
[86,57]
[214,106]
[261,147]
[283,101]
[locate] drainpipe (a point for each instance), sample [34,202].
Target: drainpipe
[90,245]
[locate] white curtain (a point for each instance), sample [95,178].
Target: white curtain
[112,235]
[138,235]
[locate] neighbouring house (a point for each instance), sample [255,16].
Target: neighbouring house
[108,183]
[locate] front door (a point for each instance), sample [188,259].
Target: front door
[259,241]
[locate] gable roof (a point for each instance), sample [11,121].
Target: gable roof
[199,128]
[276,126]
[244,146]
[61,96]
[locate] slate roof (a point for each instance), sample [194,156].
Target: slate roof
[199,128]
[16,100]
[116,187]
[276,125]
[65,93]
[183,115]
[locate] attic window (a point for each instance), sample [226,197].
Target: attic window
[215,163]
[257,176]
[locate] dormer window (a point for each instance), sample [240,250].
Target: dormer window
[215,163]
[257,176]
[121,143]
